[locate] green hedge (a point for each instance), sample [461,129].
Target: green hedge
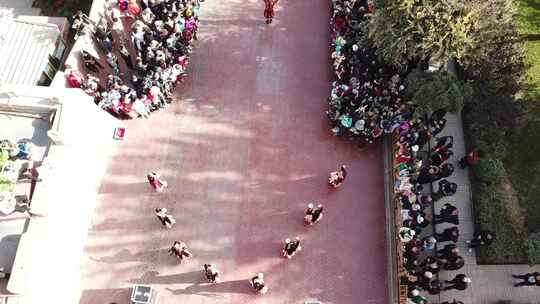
[488,123]
[492,213]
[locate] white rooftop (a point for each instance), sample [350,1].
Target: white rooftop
[24,50]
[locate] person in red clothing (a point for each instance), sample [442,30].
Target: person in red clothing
[471,159]
[269,10]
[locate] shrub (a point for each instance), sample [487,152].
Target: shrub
[490,170]
[494,211]
[533,248]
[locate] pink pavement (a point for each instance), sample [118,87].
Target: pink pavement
[244,149]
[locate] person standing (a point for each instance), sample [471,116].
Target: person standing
[269,10]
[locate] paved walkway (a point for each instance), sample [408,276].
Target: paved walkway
[490,284]
[244,150]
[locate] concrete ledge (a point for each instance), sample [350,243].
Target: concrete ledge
[393,291]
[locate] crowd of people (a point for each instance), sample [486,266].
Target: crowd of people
[366,102]
[161,33]
[290,246]
[366,99]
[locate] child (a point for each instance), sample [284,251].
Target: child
[313,215]
[338,177]
[156,182]
[166,219]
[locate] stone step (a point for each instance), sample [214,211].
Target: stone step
[22,11]
[16,3]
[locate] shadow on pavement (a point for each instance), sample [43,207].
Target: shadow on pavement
[238,286]
[93,296]
[125,255]
[153,277]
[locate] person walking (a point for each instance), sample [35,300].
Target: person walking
[529,279]
[269,10]
[156,182]
[90,62]
[460,282]
[257,282]
[166,219]
[180,250]
[126,56]
[313,214]
[448,234]
[113,63]
[212,273]
[291,247]
[338,177]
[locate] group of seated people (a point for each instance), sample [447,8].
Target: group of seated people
[13,155]
[414,170]
[367,99]
[161,35]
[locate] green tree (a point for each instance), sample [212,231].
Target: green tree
[497,63]
[405,30]
[431,91]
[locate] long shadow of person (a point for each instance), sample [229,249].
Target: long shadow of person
[125,255]
[212,290]
[153,277]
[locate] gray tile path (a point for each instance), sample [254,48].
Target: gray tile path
[491,284]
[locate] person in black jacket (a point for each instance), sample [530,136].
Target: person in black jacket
[454,263]
[449,251]
[460,282]
[448,234]
[453,302]
[446,188]
[448,214]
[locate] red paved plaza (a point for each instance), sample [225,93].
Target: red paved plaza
[244,150]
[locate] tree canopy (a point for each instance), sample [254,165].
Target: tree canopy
[481,35]
[431,91]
